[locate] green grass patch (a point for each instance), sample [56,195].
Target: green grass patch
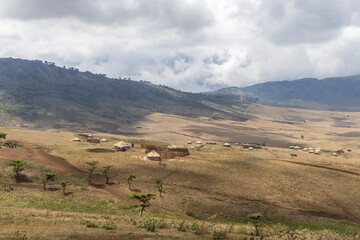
[84,205]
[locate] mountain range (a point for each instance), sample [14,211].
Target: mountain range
[48,96]
[337,93]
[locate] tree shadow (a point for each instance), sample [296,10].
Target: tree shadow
[68,194]
[135,190]
[53,189]
[22,178]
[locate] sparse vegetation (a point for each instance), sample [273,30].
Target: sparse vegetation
[144,199]
[92,168]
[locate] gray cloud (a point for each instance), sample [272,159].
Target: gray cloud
[193,45]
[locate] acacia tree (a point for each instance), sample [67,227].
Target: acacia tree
[256,217]
[144,199]
[18,167]
[159,185]
[92,168]
[106,173]
[48,177]
[130,178]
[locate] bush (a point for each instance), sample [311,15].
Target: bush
[198,229]
[90,224]
[150,225]
[162,224]
[219,234]
[109,226]
[182,226]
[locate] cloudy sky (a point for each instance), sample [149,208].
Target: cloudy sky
[194,45]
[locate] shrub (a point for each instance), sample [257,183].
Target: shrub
[2,135]
[90,224]
[198,229]
[150,225]
[219,234]
[162,224]
[109,226]
[182,226]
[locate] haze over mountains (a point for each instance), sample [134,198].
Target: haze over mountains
[337,93]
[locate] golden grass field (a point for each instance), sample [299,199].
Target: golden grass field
[309,196]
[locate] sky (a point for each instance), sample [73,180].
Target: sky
[192,45]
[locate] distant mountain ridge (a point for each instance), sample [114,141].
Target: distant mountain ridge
[49,96]
[336,93]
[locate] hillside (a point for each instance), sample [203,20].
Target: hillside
[48,96]
[338,93]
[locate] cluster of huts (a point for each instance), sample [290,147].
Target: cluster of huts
[153,152]
[89,138]
[317,151]
[157,153]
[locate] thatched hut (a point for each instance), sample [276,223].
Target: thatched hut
[154,156]
[122,146]
[198,142]
[76,140]
[103,140]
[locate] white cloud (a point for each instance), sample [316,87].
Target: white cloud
[192,45]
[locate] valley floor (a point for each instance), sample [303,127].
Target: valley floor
[215,187]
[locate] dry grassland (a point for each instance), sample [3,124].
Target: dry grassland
[216,186]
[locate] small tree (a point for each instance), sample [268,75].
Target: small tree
[144,199]
[256,217]
[92,168]
[48,177]
[106,173]
[18,167]
[2,135]
[199,147]
[159,185]
[64,184]
[130,178]
[293,155]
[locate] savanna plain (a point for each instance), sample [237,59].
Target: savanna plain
[216,192]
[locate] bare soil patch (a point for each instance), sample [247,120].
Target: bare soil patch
[100,150]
